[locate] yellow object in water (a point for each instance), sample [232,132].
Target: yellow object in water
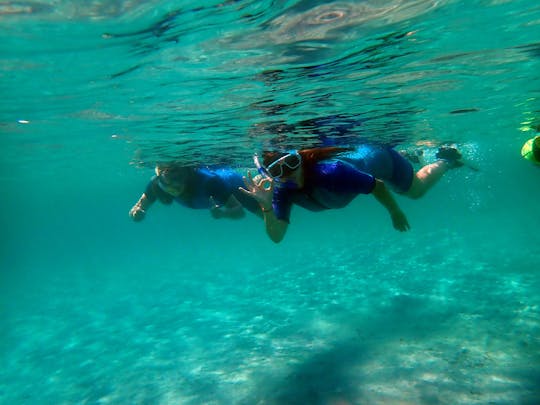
[531,150]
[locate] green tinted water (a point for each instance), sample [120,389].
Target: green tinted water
[184,309]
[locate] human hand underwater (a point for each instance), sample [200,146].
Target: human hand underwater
[400,222]
[261,188]
[137,213]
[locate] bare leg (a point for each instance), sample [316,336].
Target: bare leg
[426,177]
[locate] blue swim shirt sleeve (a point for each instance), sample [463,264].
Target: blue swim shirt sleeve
[201,184]
[282,203]
[341,177]
[153,192]
[150,190]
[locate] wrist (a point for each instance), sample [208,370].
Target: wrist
[396,211]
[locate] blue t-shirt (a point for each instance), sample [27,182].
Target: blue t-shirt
[203,183]
[333,184]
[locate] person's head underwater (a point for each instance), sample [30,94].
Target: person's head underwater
[290,169]
[531,150]
[172,178]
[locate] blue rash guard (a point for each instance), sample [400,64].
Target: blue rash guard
[202,184]
[334,183]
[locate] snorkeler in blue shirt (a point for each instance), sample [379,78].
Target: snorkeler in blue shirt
[327,178]
[198,188]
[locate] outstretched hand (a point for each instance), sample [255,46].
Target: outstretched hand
[137,213]
[400,222]
[260,188]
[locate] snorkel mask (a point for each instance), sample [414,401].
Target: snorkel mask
[171,184]
[292,161]
[275,170]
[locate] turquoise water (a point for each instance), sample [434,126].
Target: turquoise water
[185,309]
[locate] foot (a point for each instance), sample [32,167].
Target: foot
[450,155]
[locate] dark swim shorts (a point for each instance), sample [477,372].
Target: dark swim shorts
[383,163]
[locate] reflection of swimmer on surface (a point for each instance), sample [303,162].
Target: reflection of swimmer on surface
[198,188]
[24,7]
[531,150]
[341,130]
[331,130]
[327,178]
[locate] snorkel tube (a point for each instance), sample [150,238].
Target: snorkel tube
[260,168]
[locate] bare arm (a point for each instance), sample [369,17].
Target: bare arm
[383,196]
[275,228]
[138,211]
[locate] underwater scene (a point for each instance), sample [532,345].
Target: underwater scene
[353,292]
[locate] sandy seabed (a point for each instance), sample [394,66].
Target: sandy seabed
[323,332]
